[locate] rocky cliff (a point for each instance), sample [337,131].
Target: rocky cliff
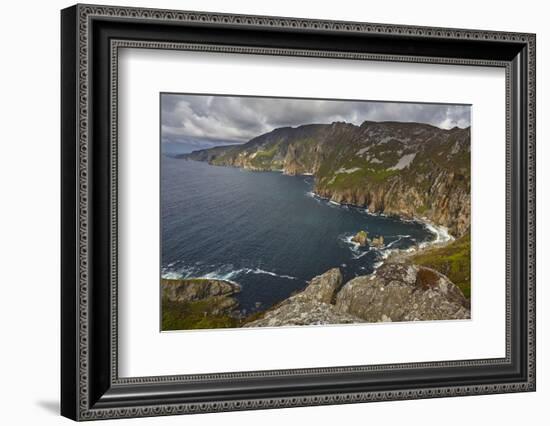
[396,292]
[407,169]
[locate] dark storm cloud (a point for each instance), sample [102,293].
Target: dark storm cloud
[238,119]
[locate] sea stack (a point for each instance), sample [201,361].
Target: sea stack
[361,238]
[378,241]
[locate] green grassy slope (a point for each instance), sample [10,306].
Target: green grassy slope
[452,260]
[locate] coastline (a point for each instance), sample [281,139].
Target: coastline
[395,263]
[442,236]
[441,233]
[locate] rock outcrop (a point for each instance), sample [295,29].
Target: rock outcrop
[402,292]
[361,238]
[217,294]
[313,306]
[406,169]
[378,241]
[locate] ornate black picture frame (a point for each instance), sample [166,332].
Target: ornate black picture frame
[90,38]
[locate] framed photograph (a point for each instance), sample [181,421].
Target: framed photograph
[263,212]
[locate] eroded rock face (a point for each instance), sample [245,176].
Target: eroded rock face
[402,292]
[313,306]
[191,290]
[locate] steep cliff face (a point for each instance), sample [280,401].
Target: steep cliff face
[408,169]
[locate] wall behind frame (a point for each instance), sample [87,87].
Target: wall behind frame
[29,217]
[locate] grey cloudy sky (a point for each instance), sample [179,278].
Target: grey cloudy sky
[239,119]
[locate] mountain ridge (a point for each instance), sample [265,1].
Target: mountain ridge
[397,168]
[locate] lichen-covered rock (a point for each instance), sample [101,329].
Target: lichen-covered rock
[193,289]
[402,292]
[323,288]
[313,306]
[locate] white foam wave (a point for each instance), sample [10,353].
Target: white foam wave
[171,275]
[359,255]
[399,238]
[218,275]
[441,234]
[355,247]
[262,271]
[171,272]
[224,272]
[348,239]
[377,265]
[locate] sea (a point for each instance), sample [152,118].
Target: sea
[266,231]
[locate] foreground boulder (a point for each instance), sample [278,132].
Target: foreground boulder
[402,292]
[313,306]
[323,288]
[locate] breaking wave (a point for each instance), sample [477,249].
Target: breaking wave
[222,272]
[441,234]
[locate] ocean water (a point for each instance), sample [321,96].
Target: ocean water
[265,231]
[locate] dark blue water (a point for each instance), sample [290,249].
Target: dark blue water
[264,230]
